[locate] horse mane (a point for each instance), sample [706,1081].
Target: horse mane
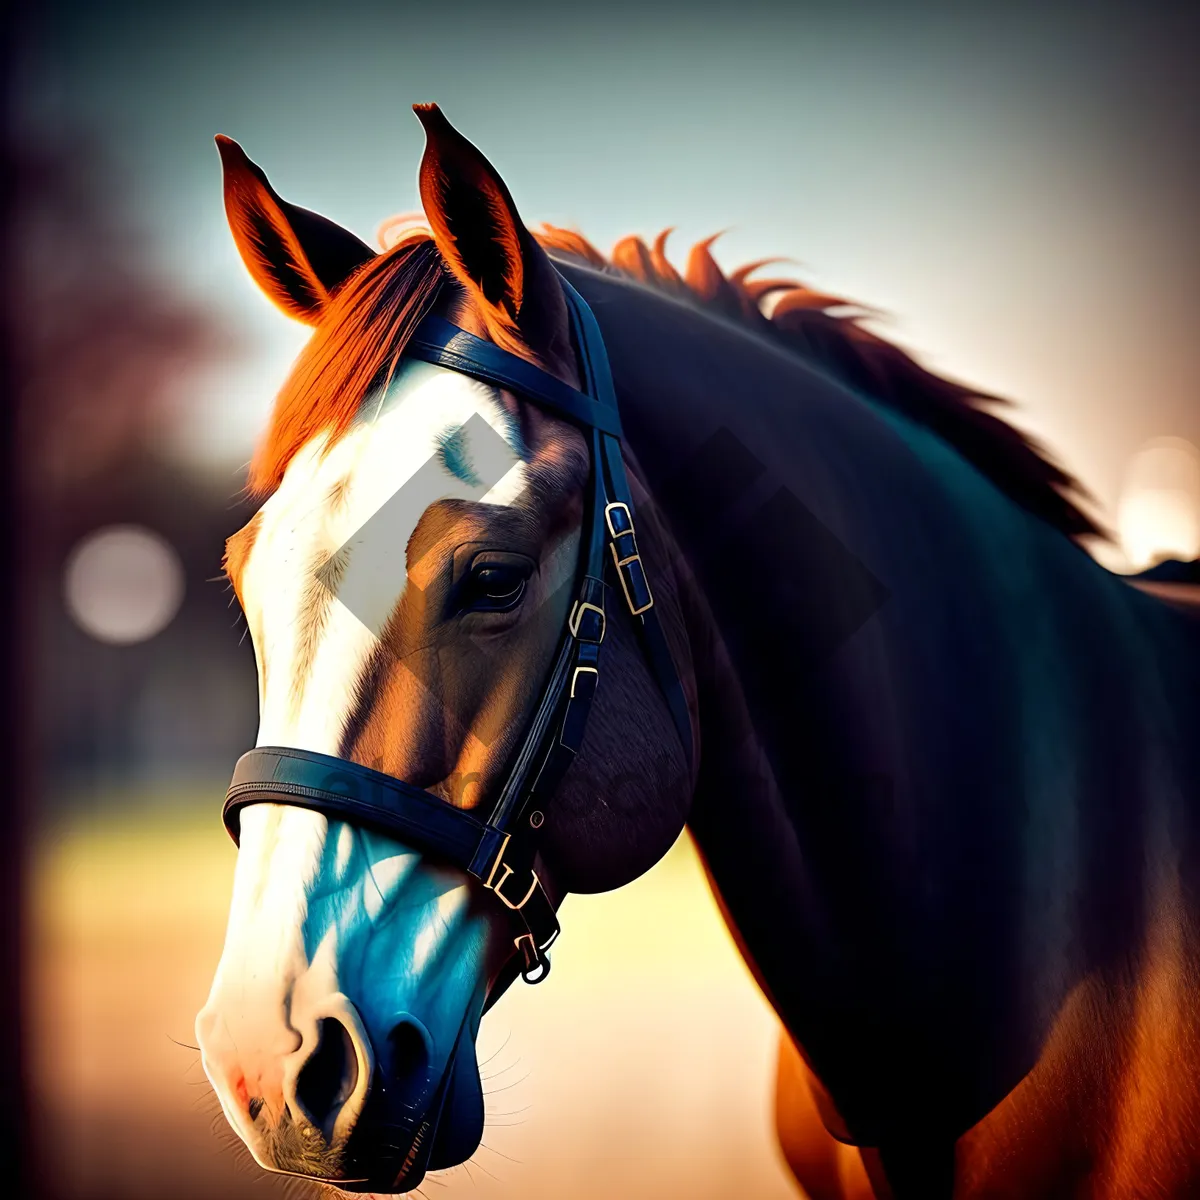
[360,337]
[355,346]
[805,322]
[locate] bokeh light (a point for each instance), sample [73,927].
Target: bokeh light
[123,584]
[1158,515]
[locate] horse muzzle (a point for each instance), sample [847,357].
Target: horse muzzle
[337,1109]
[414,1122]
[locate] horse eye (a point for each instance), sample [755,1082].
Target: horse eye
[494,587]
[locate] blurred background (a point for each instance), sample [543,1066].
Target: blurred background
[1015,191]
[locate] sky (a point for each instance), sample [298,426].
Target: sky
[1014,189]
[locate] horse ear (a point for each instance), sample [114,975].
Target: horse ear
[297,257]
[482,239]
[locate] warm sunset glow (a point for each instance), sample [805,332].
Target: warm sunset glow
[1159,511]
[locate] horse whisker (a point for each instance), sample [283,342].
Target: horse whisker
[515,1083]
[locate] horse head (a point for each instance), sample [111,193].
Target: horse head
[405,583]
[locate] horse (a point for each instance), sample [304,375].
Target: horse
[940,766]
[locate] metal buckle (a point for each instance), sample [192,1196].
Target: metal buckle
[578,672]
[537,965]
[524,899]
[622,562]
[577,611]
[499,883]
[625,586]
[608,519]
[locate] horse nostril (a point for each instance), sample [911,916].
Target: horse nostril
[410,1056]
[327,1079]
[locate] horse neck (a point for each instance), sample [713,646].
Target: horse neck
[927,721]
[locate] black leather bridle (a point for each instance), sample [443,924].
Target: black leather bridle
[500,850]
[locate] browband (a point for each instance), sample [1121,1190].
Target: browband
[435,340]
[501,850]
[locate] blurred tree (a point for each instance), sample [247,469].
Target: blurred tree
[99,346]
[102,339]
[105,347]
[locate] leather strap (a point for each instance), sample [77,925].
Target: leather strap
[618,524]
[435,340]
[345,790]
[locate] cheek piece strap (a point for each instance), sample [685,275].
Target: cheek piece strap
[500,849]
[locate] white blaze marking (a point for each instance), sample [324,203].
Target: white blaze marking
[392,440]
[387,875]
[281,847]
[345,851]
[449,905]
[301,918]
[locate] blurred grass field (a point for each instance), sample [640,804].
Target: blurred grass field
[641,1068]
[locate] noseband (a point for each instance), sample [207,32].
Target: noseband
[500,851]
